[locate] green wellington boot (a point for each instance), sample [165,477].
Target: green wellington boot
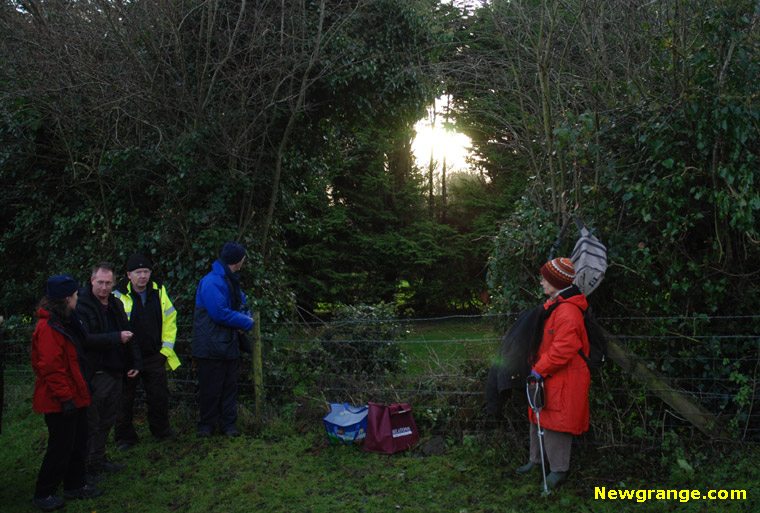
[554,479]
[526,468]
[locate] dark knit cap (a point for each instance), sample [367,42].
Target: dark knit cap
[232,253]
[138,261]
[559,272]
[60,286]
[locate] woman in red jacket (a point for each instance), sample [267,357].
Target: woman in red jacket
[61,393]
[563,370]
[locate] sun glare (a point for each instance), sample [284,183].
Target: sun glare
[434,139]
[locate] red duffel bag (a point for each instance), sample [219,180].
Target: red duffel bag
[390,428]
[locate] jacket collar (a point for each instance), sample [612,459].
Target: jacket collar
[125,286]
[218,267]
[55,323]
[572,294]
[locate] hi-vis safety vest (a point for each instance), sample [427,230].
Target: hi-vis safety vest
[168,325]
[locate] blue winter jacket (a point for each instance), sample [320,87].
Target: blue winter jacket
[216,323]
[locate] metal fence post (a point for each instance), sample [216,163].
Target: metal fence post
[258,388]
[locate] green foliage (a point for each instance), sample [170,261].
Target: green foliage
[377,74]
[667,176]
[359,226]
[361,340]
[520,249]
[674,196]
[356,352]
[695,191]
[244,111]
[177,161]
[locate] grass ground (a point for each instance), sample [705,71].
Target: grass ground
[439,343]
[290,467]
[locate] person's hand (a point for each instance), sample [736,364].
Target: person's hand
[536,375]
[126,336]
[69,407]
[132,373]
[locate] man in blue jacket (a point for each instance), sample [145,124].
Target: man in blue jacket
[221,319]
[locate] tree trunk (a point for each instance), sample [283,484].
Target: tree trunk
[288,128]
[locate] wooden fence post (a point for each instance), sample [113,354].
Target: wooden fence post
[702,419]
[258,388]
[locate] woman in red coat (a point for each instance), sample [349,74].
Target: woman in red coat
[559,364]
[61,393]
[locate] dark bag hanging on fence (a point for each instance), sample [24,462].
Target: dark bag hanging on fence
[390,428]
[512,364]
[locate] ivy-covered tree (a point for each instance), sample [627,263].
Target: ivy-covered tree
[649,130]
[657,136]
[365,230]
[170,127]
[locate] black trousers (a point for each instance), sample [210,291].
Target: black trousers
[66,453]
[156,386]
[218,381]
[105,387]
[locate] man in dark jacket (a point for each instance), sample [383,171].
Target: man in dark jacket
[221,318]
[111,354]
[153,319]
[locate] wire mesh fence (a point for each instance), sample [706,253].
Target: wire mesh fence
[440,366]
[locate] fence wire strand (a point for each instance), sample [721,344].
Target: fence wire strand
[711,361]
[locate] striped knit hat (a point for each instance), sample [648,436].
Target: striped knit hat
[559,272]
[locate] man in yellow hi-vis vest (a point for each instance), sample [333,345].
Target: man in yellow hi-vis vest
[153,320]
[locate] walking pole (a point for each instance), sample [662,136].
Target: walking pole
[536,402]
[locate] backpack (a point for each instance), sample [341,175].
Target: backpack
[597,343]
[589,256]
[589,259]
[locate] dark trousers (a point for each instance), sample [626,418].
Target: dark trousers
[156,386]
[556,448]
[66,453]
[105,388]
[218,381]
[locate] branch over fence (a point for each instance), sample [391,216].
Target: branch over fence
[691,411]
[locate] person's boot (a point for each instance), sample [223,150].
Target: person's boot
[85,492]
[125,444]
[49,503]
[110,466]
[526,468]
[554,479]
[92,477]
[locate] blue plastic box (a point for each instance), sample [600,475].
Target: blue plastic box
[346,424]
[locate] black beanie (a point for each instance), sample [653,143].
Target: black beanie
[138,261]
[232,253]
[60,286]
